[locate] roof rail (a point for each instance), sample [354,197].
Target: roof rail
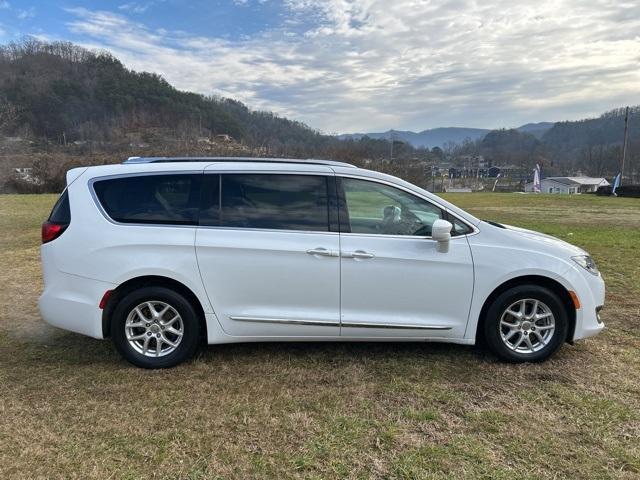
[309,161]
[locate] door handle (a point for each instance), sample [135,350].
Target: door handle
[358,254]
[323,252]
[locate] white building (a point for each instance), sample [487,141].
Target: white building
[26,175]
[472,161]
[568,185]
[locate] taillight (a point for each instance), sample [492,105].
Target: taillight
[51,230]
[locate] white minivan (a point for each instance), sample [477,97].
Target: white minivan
[163,254]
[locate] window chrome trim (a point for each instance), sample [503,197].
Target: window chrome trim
[254,171]
[408,237]
[104,213]
[268,230]
[91,181]
[474,229]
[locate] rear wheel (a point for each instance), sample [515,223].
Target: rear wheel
[155,327]
[527,323]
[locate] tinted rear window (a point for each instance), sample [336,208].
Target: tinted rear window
[155,199]
[61,213]
[271,201]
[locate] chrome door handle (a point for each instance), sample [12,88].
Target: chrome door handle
[323,252]
[358,254]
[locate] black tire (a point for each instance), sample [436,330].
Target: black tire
[185,348]
[492,327]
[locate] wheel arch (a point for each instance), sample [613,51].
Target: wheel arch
[147,281]
[539,280]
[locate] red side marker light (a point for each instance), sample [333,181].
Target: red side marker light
[105,299]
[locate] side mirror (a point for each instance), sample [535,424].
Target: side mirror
[441,233]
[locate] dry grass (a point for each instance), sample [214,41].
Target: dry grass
[70,407]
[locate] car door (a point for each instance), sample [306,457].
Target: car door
[394,281]
[268,252]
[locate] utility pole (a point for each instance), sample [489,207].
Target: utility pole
[433,177]
[624,144]
[391,150]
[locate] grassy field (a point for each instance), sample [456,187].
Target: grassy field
[70,407]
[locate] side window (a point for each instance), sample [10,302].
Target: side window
[151,199]
[272,201]
[61,213]
[374,208]
[459,228]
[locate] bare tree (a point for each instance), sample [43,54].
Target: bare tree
[8,114]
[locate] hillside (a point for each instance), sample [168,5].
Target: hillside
[604,130]
[63,93]
[536,129]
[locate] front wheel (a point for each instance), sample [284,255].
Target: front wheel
[527,323]
[155,327]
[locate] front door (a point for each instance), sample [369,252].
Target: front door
[395,282]
[268,257]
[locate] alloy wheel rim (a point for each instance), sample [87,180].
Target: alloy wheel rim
[527,326]
[154,328]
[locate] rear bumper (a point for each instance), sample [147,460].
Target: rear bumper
[71,303]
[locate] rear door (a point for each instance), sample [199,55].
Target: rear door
[268,252]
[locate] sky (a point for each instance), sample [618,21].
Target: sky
[368,65]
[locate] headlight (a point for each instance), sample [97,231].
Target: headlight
[586,262]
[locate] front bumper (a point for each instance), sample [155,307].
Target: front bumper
[589,326]
[591,292]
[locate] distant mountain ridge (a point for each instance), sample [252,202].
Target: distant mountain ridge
[536,129]
[438,137]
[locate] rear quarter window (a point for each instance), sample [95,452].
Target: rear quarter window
[171,199]
[61,212]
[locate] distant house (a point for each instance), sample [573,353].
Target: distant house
[568,185]
[511,171]
[458,189]
[224,138]
[25,174]
[473,161]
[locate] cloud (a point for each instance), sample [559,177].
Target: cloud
[4,5]
[136,7]
[23,14]
[364,65]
